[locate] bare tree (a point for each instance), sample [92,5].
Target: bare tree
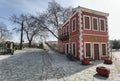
[31,28]
[4,32]
[44,23]
[66,12]
[29,25]
[47,21]
[19,20]
[53,17]
[43,35]
[54,12]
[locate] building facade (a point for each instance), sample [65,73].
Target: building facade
[85,35]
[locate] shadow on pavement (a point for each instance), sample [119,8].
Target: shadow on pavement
[100,77]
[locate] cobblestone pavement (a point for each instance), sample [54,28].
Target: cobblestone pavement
[39,65]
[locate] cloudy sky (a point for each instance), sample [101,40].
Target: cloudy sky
[10,7]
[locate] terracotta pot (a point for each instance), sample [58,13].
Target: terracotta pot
[86,62]
[107,61]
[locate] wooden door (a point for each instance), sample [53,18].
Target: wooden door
[96,51]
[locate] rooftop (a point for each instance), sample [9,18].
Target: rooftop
[79,8]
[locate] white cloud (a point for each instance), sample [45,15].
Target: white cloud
[24,6]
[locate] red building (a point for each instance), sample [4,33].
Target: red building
[85,34]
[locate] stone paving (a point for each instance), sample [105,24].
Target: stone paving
[116,58]
[74,71]
[39,65]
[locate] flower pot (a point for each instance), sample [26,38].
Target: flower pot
[107,61]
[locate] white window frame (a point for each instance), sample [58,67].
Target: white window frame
[85,49]
[104,24]
[75,48]
[72,24]
[93,24]
[101,49]
[89,21]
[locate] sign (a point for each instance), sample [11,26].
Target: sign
[95,38]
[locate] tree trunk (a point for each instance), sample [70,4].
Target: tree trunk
[29,43]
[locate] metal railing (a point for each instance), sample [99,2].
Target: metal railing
[64,36]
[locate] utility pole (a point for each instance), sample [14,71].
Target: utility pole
[21,37]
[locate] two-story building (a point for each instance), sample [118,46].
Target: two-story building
[85,34]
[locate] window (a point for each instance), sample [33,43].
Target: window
[95,23]
[87,22]
[67,48]
[102,24]
[73,25]
[88,49]
[103,49]
[73,48]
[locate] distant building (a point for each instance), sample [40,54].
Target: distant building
[85,35]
